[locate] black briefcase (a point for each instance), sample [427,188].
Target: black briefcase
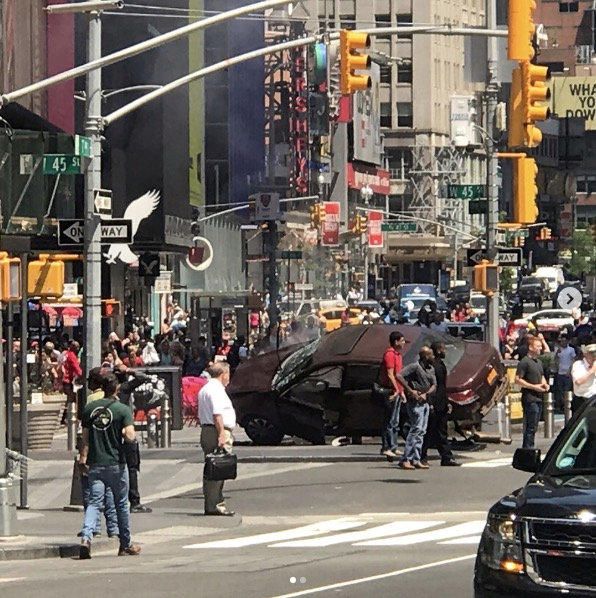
[220,465]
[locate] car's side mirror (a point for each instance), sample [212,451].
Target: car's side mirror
[321,385]
[526,459]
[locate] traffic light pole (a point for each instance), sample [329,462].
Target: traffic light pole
[492,216]
[92,241]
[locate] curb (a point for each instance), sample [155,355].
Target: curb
[63,551]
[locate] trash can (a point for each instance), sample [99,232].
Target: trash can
[8,509]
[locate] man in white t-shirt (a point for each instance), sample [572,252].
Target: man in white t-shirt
[583,373]
[218,420]
[564,357]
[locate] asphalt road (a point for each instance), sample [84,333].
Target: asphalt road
[359,528]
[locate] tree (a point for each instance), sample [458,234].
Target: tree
[583,254]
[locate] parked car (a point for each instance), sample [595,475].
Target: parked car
[333,317]
[534,290]
[325,387]
[409,291]
[460,293]
[552,320]
[540,540]
[553,277]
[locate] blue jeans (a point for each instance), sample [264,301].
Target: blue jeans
[102,478]
[109,509]
[418,416]
[532,412]
[390,425]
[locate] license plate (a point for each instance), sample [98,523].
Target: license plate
[491,376]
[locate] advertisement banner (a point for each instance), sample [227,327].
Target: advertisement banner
[574,96]
[330,226]
[375,232]
[377,179]
[368,145]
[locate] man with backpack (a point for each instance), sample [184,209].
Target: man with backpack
[107,426]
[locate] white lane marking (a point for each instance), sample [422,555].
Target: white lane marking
[380,531]
[335,525]
[246,476]
[474,540]
[11,579]
[353,582]
[454,531]
[501,462]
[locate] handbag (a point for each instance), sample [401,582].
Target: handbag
[220,465]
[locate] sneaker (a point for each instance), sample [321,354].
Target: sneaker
[131,550]
[85,550]
[421,465]
[389,454]
[405,465]
[450,463]
[141,509]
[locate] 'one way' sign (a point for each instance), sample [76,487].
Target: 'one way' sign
[71,232]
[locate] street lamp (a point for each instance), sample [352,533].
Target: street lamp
[366,193]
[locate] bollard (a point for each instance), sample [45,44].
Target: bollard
[73,423]
[166,424]
[506,436]
[567,402]
[549,416]
[8,509]
[152,440]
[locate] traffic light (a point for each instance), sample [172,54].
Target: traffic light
[10,277]
[521,30]
[317,215]
[352,60]
[534,91]
[110,308]
[45,278]
[525,190]
[516,132]
[544,234]
[486,277]
[359,224]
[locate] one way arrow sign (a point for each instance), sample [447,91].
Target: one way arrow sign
[71,232]
[506,256]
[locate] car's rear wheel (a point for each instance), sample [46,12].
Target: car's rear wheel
[262,430]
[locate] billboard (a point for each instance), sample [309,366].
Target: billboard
[330,225]
[368,146]
[375,232]
[575,96]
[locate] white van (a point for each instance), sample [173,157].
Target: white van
[553,276]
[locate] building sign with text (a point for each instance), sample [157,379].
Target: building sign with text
[377,179]
[574,97]
[330,225]
[375,232]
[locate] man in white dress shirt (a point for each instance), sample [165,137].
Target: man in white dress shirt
[218,420]
[583,373]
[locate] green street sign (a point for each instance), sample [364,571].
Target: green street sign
[61,164]
[477,206]
[82,146]
[466,191]
[291,255]
[398,227]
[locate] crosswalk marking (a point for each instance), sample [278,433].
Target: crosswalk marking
[474,540]
[335,525]
[489,463]
[454,531]
[389,529]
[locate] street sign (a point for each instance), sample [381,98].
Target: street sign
[506,256]
[569,298]
[266,206]
[477,206]
[291,255]
[102,202]
[61,164]
[466,191]
[149,265]
[82,146]
[509,256]
[71,232]
[399,227]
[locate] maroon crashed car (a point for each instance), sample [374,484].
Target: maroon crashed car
[325,386]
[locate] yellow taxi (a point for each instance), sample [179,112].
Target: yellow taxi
[331,318]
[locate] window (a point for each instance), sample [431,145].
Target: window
[404,114]
[383,20]
[568,6]
[404,72]
[360,377]
[404,19]
[348,21]
[386,73]
[586,184]
[385,114]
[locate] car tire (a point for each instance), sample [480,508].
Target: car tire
[262,430]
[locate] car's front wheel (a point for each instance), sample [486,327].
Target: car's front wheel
[262,430]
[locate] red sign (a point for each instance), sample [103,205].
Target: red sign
[330,226]
[375,234]
[377,179]
[196,255]
[299,123]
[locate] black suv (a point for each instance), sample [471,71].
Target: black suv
[541,539]
[534,290]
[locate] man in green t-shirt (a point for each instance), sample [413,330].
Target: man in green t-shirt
[107,425]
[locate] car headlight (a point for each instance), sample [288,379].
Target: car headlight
[500,546]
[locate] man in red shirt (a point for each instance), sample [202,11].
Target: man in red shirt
[71,370]
[393,388]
